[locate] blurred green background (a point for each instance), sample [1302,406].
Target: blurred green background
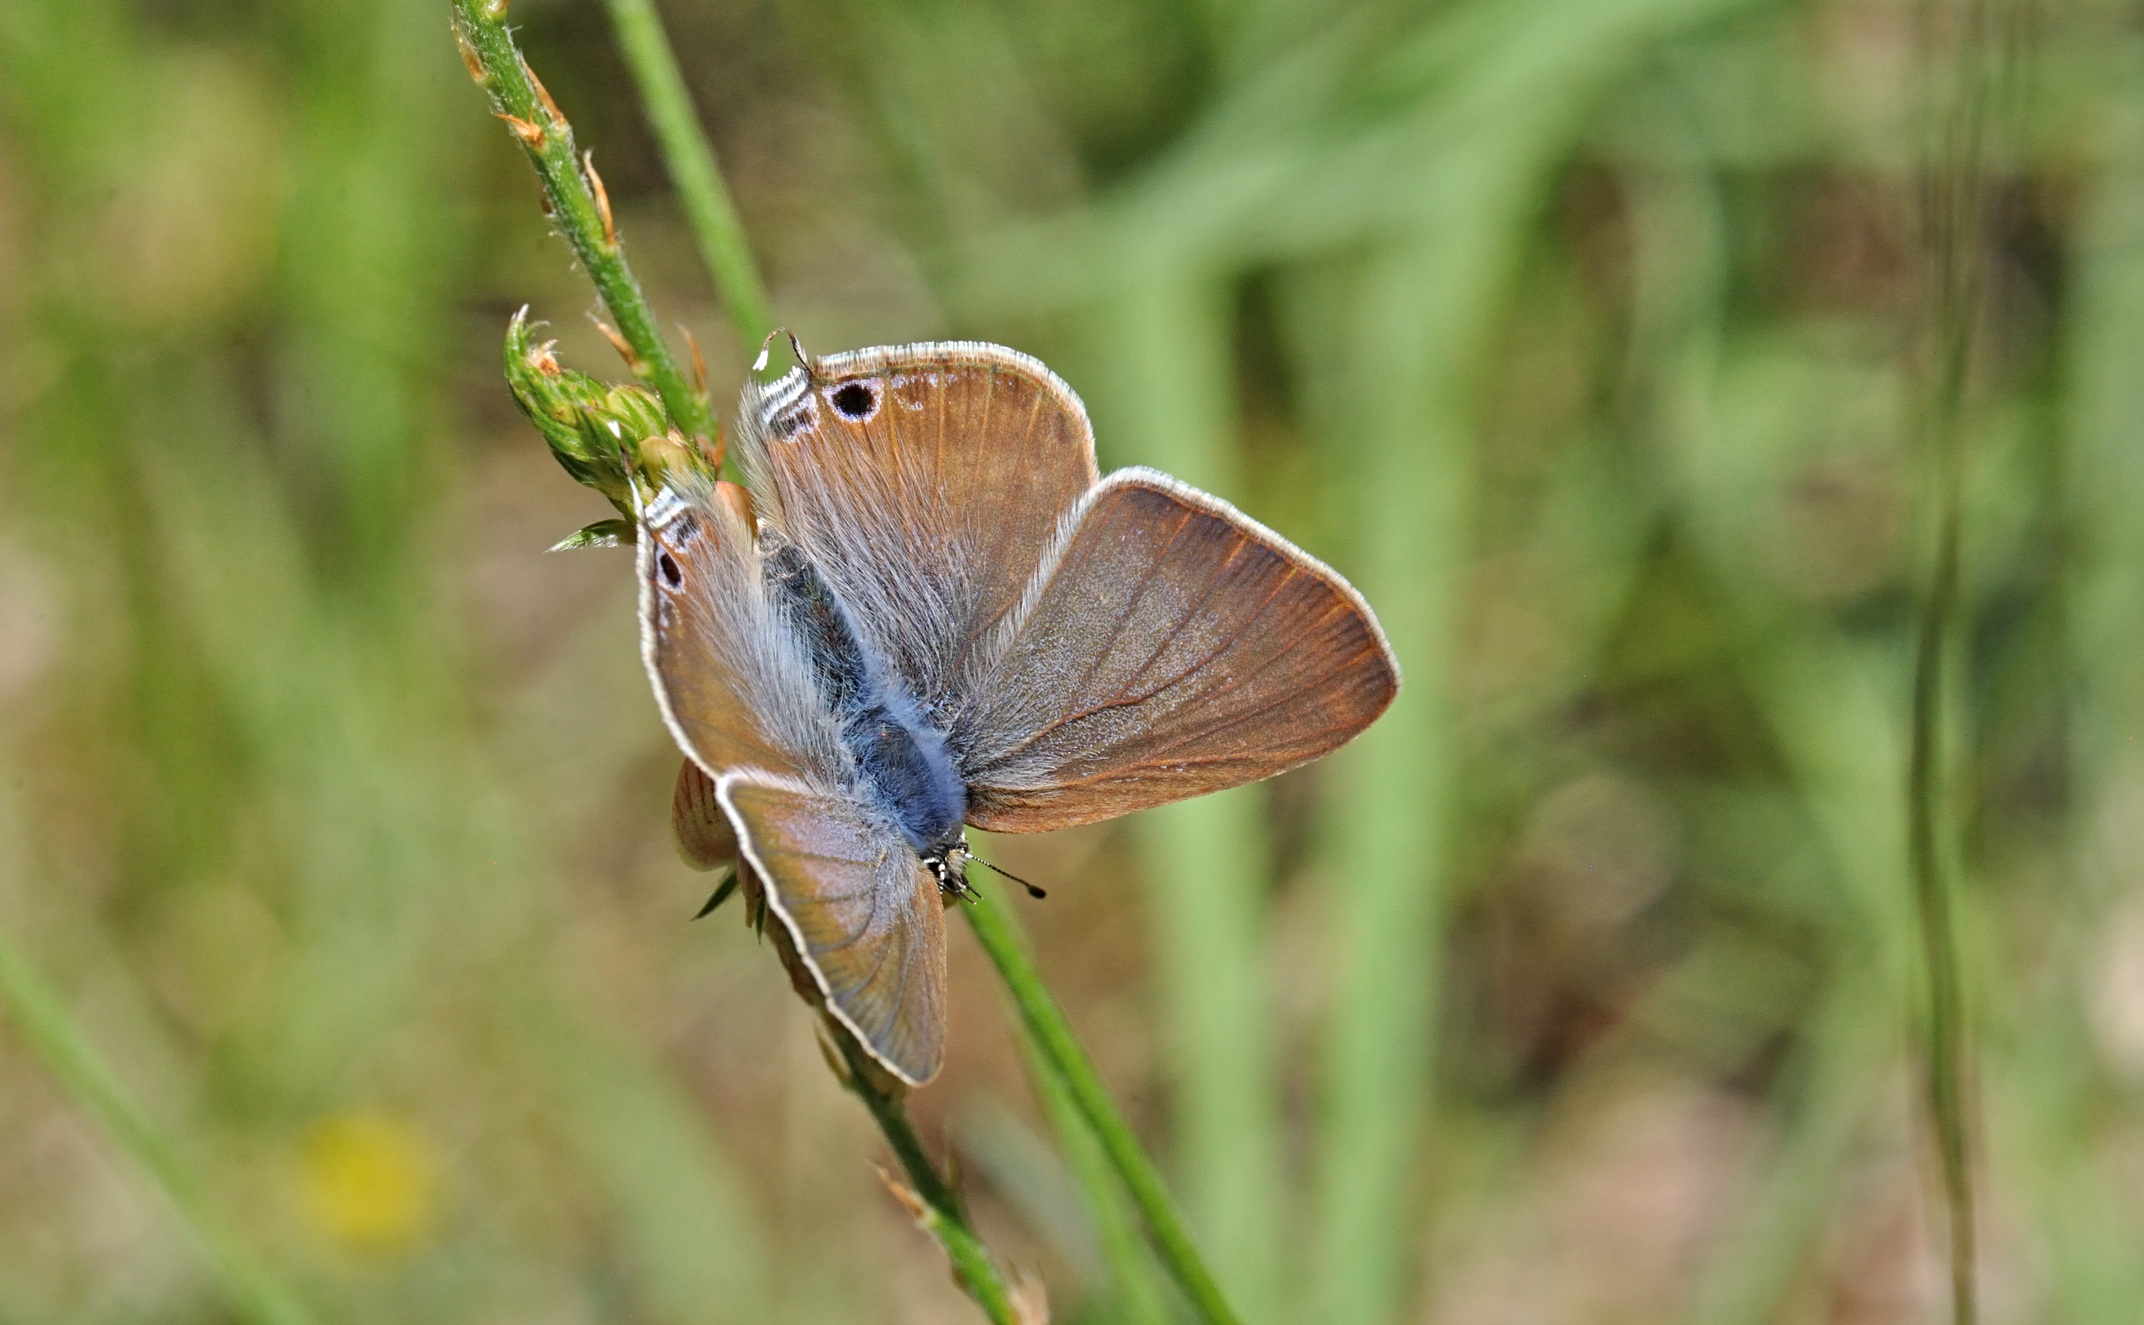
[1582,989]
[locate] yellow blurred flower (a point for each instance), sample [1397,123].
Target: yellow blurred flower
[368,1182]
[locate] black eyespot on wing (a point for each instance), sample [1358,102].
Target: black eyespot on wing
[669,569]
[855,401]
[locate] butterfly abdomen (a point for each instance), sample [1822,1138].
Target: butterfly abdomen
[902,760]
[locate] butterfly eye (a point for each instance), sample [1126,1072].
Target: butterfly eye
[855,401]
[669,568]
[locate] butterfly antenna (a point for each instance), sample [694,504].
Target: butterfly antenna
[1032,891]
[796,347]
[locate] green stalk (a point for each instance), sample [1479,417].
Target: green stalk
[578,205]
[1137,1293]
[1060,1050]
[691,162]
[1950,201]
[255,1293]
[1932,902]
[939,1209]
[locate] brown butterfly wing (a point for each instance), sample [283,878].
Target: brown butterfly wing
[925,482]
[857,906]
[1169,647]
[728,678]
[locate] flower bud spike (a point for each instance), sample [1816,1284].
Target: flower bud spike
[699,361]
[601,195]
[543,94]
[907,1196]
[531,135]
[620,344]
[598,433]
[470,58]
[1030,1300]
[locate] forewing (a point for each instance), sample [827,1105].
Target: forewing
[859,909]
[1170,646]
[925,482]
[728,678]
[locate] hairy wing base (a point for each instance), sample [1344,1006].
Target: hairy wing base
[925,483]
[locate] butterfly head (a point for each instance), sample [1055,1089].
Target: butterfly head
[949,865]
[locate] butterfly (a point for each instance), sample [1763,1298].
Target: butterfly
[925,610]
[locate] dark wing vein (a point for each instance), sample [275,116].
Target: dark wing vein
[1183,623]
[1217,650]
[1121,700]
[1124,618]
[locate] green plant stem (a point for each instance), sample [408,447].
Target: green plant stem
[691,162]
[942,1214]
[1951,190]
[39,1014]
[572,189]
[1060,1050]
[1932,902]
[1138,1294]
